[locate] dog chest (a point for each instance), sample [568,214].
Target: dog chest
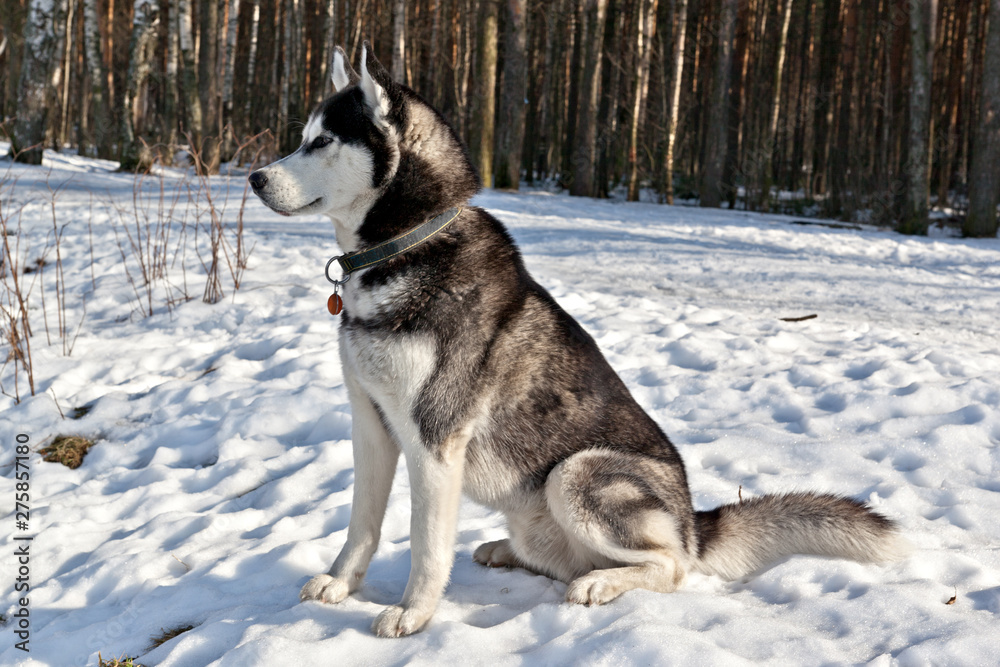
[391,367]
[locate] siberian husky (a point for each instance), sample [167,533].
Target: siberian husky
[453,355]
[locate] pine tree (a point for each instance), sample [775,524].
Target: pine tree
[399,41]
[984,176]
[483,118]
[644,47]
[914,216]
[510,119]
[715,139]
[584,158]
[209,88]
[673,97]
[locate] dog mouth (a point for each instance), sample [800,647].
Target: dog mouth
[300,210]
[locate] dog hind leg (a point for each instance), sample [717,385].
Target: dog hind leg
[633,512]
[537,544]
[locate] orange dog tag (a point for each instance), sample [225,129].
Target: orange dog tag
[335,304]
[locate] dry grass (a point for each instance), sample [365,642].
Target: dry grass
[167,635]
[123,661]
[68,450]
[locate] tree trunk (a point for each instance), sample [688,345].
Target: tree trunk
[825,92]
[121,39]
[62,133]
[136,155]
[801,159]
[839,164]
[674,97]
[585,149]
[916,196]
[100,97]
[947,170]
[188,74]
[984,177]
[644,48]
[241,69]
[263,81]
[435,74]
[740,105]
[399,41]
[715,140]
[547,99]
[209,88]
[40,51]
[772,141]
[56,102]
[169,44]
[535,86]
[510,121]
[566,130]
[12,20]
[611,83]
[288,138]
[227,66]
[485,110]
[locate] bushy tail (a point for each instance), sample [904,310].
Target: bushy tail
[735,540]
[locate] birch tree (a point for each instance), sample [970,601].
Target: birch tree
[100,95]
[135,153]
[41,48]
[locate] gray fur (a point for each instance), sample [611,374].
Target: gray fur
[454,356]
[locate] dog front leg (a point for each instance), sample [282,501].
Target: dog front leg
[375,457]
[435,492]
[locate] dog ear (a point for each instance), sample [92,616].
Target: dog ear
[374,82]
[342,74]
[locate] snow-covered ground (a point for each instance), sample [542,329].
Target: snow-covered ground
[222,476]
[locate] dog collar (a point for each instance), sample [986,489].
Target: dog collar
[383,252]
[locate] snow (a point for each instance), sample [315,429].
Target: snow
[222,476]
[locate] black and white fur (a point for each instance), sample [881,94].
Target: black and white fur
[453,355]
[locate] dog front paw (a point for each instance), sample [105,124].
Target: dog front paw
[324,588]
[399,622]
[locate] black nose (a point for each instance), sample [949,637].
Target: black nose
[257,181]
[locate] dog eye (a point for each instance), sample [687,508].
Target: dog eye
[319,142]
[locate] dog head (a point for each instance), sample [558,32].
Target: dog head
[372,141]
[349,148]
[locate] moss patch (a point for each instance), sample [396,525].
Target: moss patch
[68,450]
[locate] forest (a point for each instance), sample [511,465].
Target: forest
[883,111]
